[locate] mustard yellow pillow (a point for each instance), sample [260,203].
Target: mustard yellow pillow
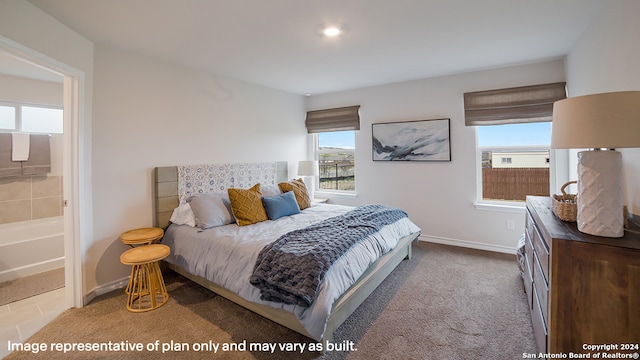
[299,190]
[246,205]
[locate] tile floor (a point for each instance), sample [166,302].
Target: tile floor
[21,319]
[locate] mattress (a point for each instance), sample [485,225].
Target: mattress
[226,256]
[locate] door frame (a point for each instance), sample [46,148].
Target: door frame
[73,174]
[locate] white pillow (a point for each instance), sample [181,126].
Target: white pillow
[183,215]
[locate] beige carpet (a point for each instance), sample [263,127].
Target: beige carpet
[445,303]
[29,286]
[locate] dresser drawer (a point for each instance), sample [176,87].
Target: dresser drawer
[528,225]
[542,251]
[528,281]
[541,289]
[539,325]
[528,251]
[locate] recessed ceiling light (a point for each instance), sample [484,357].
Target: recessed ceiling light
[332,31]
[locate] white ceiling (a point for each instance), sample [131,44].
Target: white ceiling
[276,43]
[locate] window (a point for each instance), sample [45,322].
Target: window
[7,117]
[336,160]
[31,118]
[41,120]
[514,134]
[515,160]
[335,138]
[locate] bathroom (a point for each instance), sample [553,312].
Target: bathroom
[31,206]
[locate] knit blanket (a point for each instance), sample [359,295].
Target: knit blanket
[290,269]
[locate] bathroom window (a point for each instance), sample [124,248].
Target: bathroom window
[7,117]
[30,118]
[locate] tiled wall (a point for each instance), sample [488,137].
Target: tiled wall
[30,197]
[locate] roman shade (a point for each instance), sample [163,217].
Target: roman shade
[337,119]
[523,104]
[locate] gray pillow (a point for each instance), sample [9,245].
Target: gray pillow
[211,209]
[270,190]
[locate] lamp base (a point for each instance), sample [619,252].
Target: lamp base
[600,193]
[309,182]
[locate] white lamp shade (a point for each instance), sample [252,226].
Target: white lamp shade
[607,120]
[308,168]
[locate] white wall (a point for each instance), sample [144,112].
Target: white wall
[439,197]
[606,59]
[147,114]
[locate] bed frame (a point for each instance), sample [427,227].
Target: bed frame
[165,185]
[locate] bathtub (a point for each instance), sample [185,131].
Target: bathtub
[31,247]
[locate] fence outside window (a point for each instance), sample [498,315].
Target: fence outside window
[514,184]
[337,175]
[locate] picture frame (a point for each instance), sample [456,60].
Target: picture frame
[416,140]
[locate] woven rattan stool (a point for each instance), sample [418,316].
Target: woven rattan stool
[141,236]
[146,290]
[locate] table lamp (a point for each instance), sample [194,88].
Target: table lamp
[601,123]
[308,168]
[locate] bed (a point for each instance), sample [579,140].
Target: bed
[223,257]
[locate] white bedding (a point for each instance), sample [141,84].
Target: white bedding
[226,255]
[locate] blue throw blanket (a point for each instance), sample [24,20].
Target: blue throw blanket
[290,269]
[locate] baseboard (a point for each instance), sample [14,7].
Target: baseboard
[468,244]
[103,289]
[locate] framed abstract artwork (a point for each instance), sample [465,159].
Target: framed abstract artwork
[419,140]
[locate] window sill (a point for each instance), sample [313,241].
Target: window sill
[509,207]
[334,194]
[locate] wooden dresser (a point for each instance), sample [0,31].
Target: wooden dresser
[581,289]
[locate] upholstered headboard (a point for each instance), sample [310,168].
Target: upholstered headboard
[173,185]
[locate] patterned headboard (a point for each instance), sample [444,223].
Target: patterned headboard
[173,185]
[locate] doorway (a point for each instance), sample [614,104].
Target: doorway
[27,61]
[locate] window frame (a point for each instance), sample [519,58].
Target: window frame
[332,192]
[18,116]
[558,159]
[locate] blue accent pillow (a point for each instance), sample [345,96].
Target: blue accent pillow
[280,205]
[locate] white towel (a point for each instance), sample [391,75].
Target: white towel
[20,147]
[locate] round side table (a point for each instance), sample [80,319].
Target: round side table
[146,285]
[142,236]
